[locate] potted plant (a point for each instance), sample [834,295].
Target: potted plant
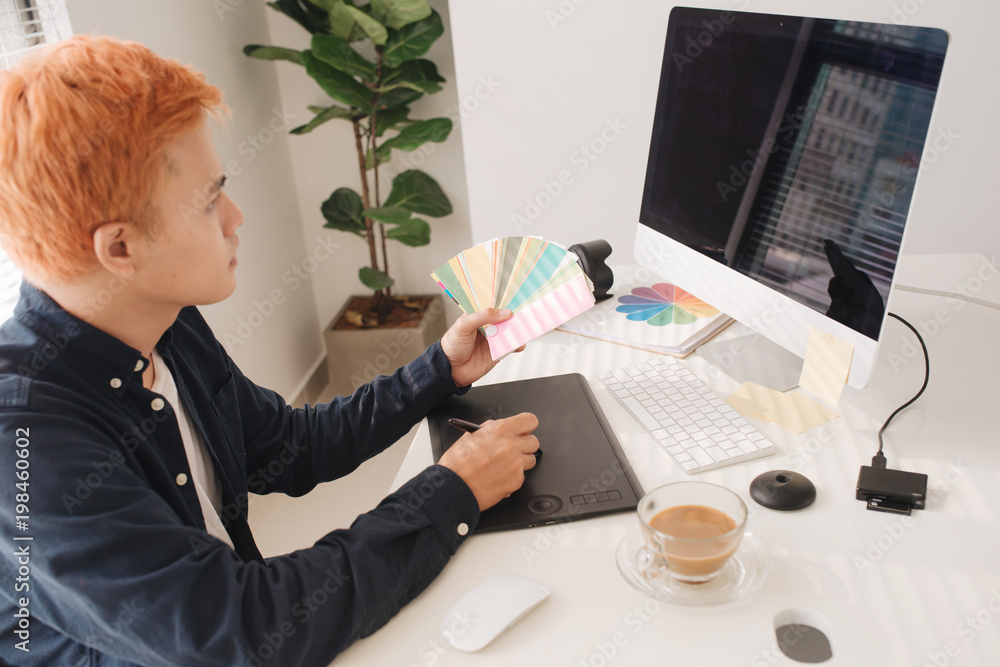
[368,61]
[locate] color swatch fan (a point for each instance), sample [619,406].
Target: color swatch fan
[540,281]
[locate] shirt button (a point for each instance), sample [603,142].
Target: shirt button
[463,529]
[115,383]
[157,404]
[138,366]
[181,479]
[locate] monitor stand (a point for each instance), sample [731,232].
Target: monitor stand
[754,358]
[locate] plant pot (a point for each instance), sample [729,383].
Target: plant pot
[357,356]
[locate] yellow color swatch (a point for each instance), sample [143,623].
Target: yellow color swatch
[827,364]
[792,411]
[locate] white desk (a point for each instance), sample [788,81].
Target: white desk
[895,590]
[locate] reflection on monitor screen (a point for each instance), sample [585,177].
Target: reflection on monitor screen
[785,150]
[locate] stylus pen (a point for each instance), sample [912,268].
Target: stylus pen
[472,427]
[463,425]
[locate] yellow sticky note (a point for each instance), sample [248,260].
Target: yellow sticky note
[827,364]
[791,411]
[743,402]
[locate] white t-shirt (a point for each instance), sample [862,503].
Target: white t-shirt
[206,482]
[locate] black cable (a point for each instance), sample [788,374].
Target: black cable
[878,461]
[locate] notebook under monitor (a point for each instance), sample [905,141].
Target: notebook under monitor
[582,471]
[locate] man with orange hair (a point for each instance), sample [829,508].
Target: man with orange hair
[129,436]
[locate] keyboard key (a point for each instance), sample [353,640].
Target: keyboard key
[685,417]
[717,453]
[701,456]
[636,409]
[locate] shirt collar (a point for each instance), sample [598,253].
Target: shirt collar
[67,337]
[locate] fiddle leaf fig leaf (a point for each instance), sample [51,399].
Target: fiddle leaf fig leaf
[310,15]
[390,118]
[374,279]
[412,41]
[414,232]
[398,97]
[350,24]
[417,192]
[338,85]
[397,13]
[272,53]
[343,211]
[417,74]
[322,115]
[339,54]
[388,214]
[418,134]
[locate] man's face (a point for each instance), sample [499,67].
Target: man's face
[192,259]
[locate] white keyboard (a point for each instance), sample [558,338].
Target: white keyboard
[692,423]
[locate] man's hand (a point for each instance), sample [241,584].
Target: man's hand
[467,348]
[492,460]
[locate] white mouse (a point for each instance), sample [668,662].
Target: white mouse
[489,609]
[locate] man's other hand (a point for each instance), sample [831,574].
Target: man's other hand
[492,460]
[466,347]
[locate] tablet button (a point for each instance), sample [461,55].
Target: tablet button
[545,504]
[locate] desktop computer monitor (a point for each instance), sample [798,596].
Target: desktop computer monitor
[784,155]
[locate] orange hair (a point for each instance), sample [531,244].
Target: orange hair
[84,130]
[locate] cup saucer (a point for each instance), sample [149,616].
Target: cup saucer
[742,575]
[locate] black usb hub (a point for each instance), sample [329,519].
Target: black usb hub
[895,491]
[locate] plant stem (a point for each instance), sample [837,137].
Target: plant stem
[369,230]
[373,128]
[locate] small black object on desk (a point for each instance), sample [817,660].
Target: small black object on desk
[783,490]
[592,255]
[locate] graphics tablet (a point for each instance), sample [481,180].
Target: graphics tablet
[582,471]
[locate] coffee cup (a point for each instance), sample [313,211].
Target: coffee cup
[690,530]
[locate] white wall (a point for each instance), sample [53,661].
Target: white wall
[325,160]
[574,73]
[285,345]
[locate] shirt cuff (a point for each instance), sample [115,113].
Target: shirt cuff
[447,501]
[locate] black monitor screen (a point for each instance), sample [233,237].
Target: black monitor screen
[787,148]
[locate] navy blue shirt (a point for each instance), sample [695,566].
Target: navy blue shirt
[106,560]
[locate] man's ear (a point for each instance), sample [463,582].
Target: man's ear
[116,244]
